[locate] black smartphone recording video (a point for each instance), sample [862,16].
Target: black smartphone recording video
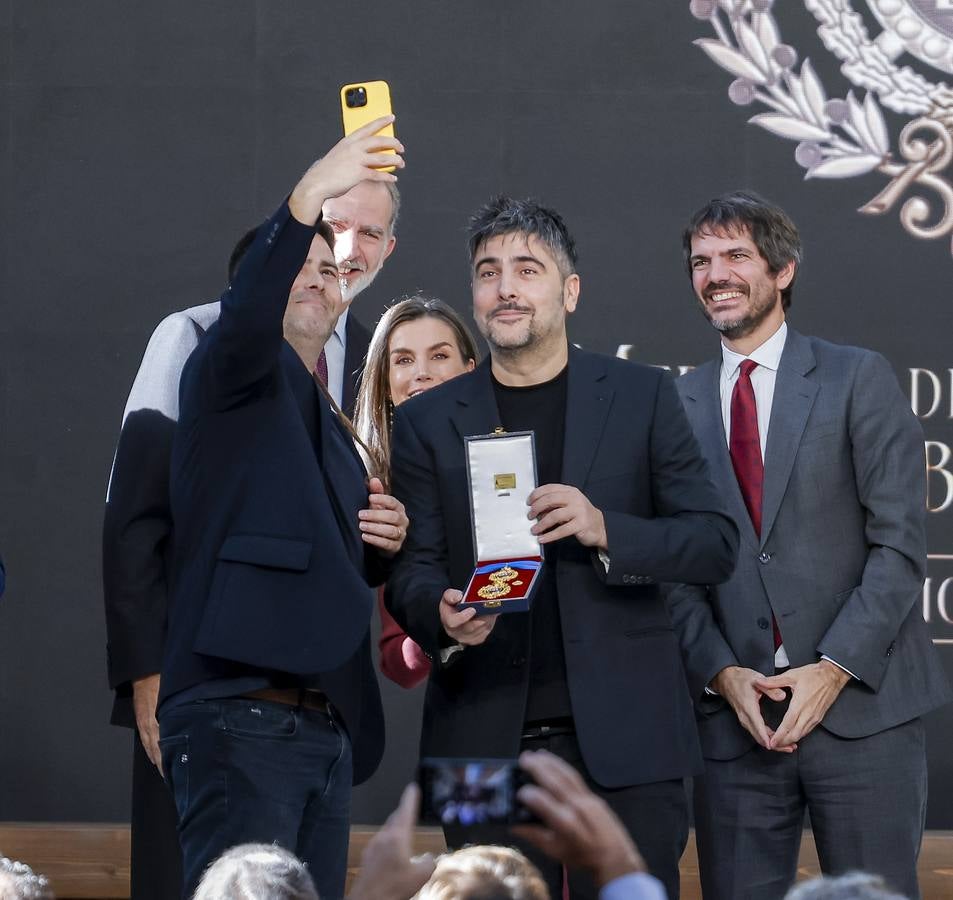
[468,792]
[356,97]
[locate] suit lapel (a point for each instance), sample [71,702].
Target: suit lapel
[794,397]
[705,412]
[588,399]
[321,429]
[476,411]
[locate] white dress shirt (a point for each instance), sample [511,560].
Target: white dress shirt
[334,354]
[768,358]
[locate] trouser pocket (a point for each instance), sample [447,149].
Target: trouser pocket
[175,768]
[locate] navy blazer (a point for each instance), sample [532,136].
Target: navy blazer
[628,447]
[270,575]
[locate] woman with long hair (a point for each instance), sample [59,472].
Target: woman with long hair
[419,342]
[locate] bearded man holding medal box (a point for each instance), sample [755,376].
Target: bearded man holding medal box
[592,672]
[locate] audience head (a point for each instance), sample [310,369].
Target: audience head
[852,886]
[419,343]
[256,872]
[363,221]
[19,882]
[484,873]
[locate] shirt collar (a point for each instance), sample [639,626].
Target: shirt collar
[768,355]
[340,329]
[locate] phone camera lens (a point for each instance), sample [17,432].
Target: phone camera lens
[355,97]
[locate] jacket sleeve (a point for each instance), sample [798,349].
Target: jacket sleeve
[887,450]
[402,661]
[691,538]
[415,588]
[241,354]
[705,652]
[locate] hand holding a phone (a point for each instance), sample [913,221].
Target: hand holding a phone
[351,160]
[578,827]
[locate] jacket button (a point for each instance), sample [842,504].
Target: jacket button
[518,661]
[890,648]
[763,624]
[764,558]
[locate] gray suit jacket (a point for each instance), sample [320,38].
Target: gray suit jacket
[842,554]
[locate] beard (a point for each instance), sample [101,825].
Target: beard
[307,328]
[510,337]
[350,289]
[745,321]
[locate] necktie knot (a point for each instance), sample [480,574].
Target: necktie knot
[747,367]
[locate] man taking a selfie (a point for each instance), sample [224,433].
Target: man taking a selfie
[269,705]
[138,525]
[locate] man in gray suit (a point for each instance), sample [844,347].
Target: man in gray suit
[811,666]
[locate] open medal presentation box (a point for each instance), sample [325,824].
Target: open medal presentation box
[501,469]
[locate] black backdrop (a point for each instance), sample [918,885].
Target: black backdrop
[137,141]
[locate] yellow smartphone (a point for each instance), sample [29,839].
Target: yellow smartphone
[364,101]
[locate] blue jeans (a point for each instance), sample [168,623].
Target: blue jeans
[246,770]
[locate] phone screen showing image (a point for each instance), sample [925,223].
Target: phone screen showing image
[468,792]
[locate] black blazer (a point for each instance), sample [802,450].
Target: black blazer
[269,570]
[357,339]
[629,448]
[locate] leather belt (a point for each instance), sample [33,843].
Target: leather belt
[292,697]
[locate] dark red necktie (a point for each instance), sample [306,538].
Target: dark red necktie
[744,446]
[321,369]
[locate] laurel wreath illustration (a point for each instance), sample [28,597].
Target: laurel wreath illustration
[841,137]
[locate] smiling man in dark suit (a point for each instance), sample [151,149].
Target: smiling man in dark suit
[811,665]
[592,672]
